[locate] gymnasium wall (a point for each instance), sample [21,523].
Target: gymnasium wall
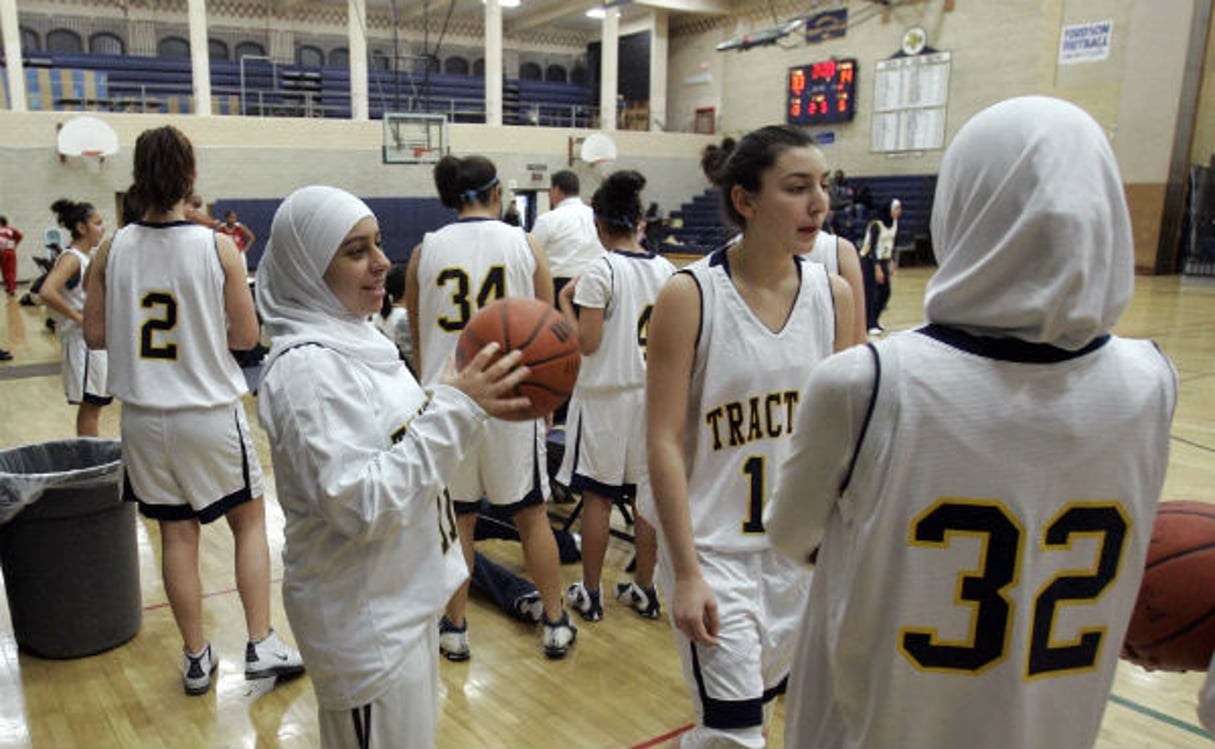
[254,158]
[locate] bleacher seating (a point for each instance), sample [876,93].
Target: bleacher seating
[915,192]
[263,88]
[698,224]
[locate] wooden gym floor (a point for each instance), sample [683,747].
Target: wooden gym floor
[620,686]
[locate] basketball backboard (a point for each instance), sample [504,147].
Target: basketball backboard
[411,138]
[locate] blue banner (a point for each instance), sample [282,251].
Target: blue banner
[829,24]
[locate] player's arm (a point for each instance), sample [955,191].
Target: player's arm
[850,269]
[243,329]
[411,308]
[586,321]
[250,237]
[542,278]
[94,300]
[828,424]
[670,354]
[845,329]
[66,267]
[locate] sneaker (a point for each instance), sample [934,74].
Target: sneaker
[197,670]
[453,640]
[877,331]
[529,607]
[5,356]
[643,600]
[586,602]
[272,657]
[558,635]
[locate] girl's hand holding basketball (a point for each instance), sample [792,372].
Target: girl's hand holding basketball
[490,380]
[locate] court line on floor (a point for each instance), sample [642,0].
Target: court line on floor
[663,738]
[1163,717]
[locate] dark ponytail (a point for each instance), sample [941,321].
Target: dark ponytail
[462,181]
[71,213]
[744,163]
[617,203]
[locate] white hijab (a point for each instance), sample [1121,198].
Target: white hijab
[1030,227]
[296,305]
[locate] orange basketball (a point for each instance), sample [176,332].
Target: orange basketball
[548,343]
[1173,625]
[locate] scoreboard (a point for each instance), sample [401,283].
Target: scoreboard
[822,92]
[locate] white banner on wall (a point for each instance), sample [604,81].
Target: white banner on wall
[910,96]
[1085,42]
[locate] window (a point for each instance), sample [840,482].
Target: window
[455,66]
[249,49]
[173,46]
[217,50]
[339,57]
[555,73]
[29,39]
[479,67]
[530,71]
[64,40]
[379,60]
[578,75]
[309,56]
[105,43]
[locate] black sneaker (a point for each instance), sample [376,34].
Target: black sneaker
[558,635]
[643,600]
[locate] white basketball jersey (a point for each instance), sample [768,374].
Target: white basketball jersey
[166,325]
[73,293]
[466,266]
[745,387]
[624,286]
[1013,487]
[826,251]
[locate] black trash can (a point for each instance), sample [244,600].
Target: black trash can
[67,548]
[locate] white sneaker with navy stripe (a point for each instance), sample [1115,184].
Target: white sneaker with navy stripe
[197,669]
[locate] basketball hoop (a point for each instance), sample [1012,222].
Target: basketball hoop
[87,138]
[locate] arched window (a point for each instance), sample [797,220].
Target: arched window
[530,71]
[64,40]
[29,39]
[249,49]
[578,75]
[309,56]
[217,49]
[555,73]
[105,43]
[455,66]
[379,60]
[173,46]
[479,67]
[339,57]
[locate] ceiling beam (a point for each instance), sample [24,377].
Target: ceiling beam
[707,7]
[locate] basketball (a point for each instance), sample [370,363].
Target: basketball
[548,343]
[1173,624]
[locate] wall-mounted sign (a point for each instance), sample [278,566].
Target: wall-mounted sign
[829,24]
[1085,42]
[822,92]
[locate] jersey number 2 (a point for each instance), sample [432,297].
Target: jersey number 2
[162,323]
[985,592]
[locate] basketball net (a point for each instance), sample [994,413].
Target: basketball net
[92,161]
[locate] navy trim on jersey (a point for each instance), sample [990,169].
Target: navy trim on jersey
[860,439]
[773,692]
[634,255]
[726,714]
[166,224]
[1008,349]
[534,496]
[475,219]
[98,400]
[361,717]
[700,324]
[581,482]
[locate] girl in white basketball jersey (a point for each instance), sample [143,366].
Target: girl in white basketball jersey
[84,371]
[168,299]
[604,457]
[732,339]
[363,454]
[984,487]
[456,271]
[838,254]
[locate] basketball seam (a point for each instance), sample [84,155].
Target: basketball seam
[1174,635]
[1178,554]
[536,331]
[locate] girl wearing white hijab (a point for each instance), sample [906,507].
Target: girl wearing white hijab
[362,455]
[983,487]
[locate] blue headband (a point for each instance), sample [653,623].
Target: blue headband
[469,196]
